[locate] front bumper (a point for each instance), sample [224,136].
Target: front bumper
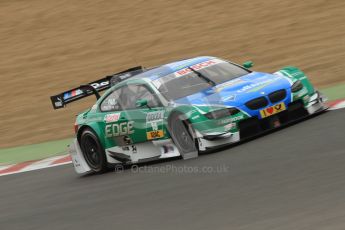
[295,111]
[316,103]
[216,140]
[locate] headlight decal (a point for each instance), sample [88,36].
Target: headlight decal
[297,86]
[216,114]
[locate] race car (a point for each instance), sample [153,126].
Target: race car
[182,109]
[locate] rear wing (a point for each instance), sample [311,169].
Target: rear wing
[60,100]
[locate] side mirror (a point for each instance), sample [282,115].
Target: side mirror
[248,64]
[141,103]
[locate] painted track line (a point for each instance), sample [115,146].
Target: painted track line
[66,159]
[35,165]
[337,104]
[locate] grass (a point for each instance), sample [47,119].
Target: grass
[335,92]
[33,152]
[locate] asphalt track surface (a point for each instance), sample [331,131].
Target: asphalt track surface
[290,179]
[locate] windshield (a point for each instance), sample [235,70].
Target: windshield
[185,82]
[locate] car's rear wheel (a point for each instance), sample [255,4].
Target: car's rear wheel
[182,137]
[93,151]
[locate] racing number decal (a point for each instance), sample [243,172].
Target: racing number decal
[155,134]
[154,125]
[272,110]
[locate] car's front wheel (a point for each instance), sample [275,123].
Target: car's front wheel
[183,139]
[93,151]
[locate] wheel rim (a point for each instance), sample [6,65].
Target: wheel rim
[182,136]
[91,151]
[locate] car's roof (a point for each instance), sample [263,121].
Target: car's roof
[172,67]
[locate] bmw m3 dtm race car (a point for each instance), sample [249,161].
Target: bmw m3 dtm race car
[181,109]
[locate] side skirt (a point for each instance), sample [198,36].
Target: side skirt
[142,152]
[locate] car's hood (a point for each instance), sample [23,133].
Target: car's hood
[238,91]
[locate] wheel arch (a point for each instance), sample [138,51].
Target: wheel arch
[101,166]
[297,74]
[94,129]
[186,112]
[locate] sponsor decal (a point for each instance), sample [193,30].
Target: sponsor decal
[124,128]
[113,117]
[189,113]
[200,142]
[72,93]
[306,98]
[154,134]
[76,163]
[125,148]
[107,107]
[157,83]
[94,119]
[302,92]
[154,119]
[255,86]
[77,92]
[127,140]
[94,107]
[224,121]
[197,67]
[112,101]
[167,149]
[279,74]
[237,118]
[97,85]
[67,95]
[195,117]
[272,110]
[229,126]
[154,125]
[132,148]
[229,98]
[236,81]
[155,116]
[230,120]
[58,103]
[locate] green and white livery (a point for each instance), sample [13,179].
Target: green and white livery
[182,109]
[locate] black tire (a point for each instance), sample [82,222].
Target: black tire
[93,151]
[181,135]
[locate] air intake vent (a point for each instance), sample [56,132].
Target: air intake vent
[278,95]
[257,103]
